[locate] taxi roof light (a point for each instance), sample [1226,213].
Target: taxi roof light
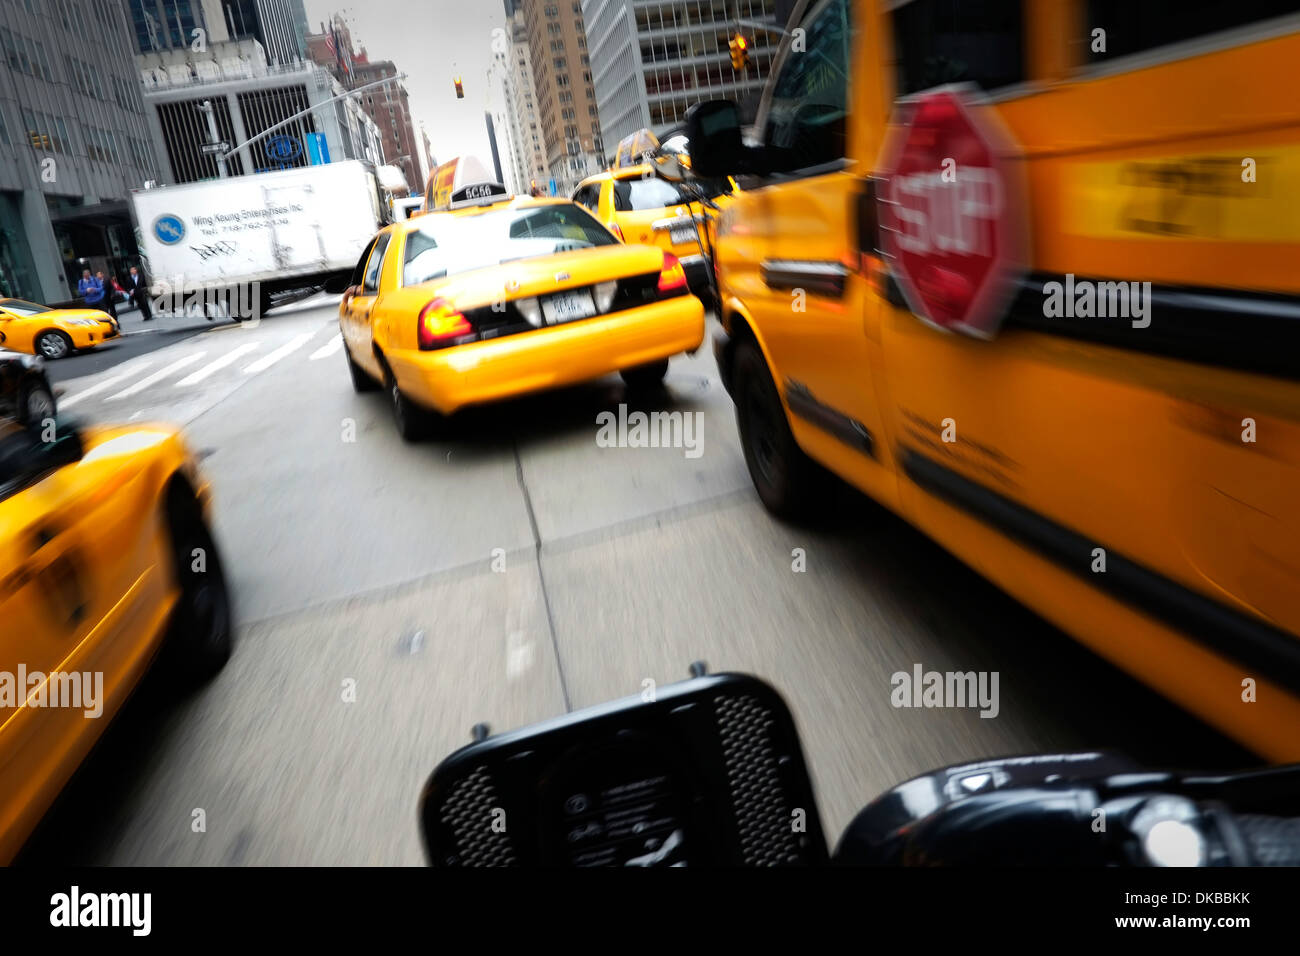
[440,321]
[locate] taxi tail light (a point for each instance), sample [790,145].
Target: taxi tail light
[617,230]
[439,323]
[672,278]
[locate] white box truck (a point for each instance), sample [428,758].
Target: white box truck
[236,241]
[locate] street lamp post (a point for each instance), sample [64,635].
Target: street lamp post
[206,109]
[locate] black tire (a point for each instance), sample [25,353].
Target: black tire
[645,377]
[414,423]
[361,381]
[36,404]
[199,642]
[54,345]
[790,484]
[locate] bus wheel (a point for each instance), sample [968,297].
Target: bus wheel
[789,483]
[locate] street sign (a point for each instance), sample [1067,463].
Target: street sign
[952,212]
[214,149]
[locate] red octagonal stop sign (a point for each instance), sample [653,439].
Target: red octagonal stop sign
[952,212]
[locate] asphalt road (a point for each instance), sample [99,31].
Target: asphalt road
[357,558]
[138,338]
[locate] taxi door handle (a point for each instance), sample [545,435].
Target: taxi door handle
[824,277]
[44,555]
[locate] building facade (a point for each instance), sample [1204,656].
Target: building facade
[74,140]
[521,100]
[388,106]
[230,93]
[562,83]
[279,26]
[514,106]
[657,58]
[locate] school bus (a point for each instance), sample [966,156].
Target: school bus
[1133,478]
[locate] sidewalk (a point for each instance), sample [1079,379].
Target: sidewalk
[132,322]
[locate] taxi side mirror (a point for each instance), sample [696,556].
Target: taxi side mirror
[716,147]
[338,283]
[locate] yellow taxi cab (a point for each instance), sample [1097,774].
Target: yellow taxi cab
[493,297]
[1025,273]
[639,207]
[106,565]
[52,333]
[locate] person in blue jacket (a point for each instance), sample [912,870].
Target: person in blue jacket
[90,289]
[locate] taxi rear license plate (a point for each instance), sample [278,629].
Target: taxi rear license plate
[679,235]
[568,307]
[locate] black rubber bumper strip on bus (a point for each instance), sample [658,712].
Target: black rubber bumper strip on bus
[1251,331]
[848,430]
[1270,652]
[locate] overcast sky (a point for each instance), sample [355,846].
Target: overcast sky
[431,41]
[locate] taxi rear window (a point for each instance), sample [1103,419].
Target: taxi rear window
[446,245]
[633,195]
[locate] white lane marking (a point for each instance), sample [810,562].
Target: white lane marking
[124,373]
[217,365]
[266,361]
[158,376]
[519,654]
[328,349]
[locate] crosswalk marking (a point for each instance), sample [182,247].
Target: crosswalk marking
[105,385]
[158,376]
[217,365]
[266,361]
[328,349]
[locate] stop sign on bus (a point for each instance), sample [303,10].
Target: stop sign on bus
[952,212]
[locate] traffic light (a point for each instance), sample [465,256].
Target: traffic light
[460,89]
[739,52]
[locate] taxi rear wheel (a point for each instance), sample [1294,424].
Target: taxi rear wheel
[413,422]
[361,382]
[645,377]
[200,639]
[54,345]
[789,483]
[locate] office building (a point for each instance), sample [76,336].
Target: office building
[656,58]
[74,140]
[231,94]
[388,106]
[562,84]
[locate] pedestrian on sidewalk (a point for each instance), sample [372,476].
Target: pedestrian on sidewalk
[109,304]
[137,287]
[90,289]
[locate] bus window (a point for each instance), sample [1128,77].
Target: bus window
[1133,26]
[974,41]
